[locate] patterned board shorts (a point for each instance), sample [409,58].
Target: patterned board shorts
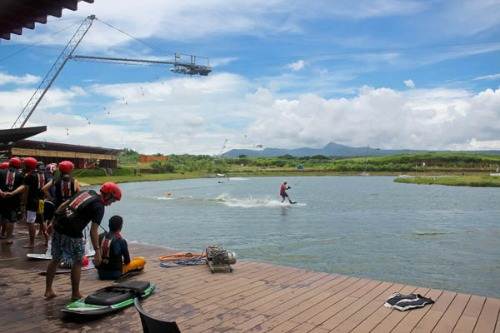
[65,247]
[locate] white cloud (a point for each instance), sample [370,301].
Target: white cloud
[409,83]
[13,101]
[186,20]
[475,144]
[297,66]
[488,77]
[426,119]
[217,62]
[196,115]
[466,18]
[18,80]
[365,8]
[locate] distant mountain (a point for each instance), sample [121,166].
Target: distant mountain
[331,149]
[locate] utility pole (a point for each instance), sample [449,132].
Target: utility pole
[54,71]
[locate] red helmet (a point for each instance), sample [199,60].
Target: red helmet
[66,166]
[15,162]
[113,189]
[4,165]
[30,163]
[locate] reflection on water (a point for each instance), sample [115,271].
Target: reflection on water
[434,236]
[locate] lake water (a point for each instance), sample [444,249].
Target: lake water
[432,236]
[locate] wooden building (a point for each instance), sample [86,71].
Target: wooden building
[81,156]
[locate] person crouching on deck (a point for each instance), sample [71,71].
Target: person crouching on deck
[115,256]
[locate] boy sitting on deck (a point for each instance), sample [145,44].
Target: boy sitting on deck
[115,256]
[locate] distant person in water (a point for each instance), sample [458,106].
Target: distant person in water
[115,256]
[284,187]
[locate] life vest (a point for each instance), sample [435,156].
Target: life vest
[64,189]
[79,202]
[283,189]
[108,238]
[41,179]
[10,180]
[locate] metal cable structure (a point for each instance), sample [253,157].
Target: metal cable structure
[53,72]
[178,66]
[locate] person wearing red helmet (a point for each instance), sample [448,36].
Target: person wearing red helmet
[3,229]
[11,183]
[43,177]
[33,183]
[71,217]
[57,190]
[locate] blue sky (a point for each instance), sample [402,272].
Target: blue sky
[385,73]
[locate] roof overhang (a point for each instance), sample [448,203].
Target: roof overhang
[56,146]
[18,14]
[10,136]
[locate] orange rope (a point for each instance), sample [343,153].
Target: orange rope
[181,255]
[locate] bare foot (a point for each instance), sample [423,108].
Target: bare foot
[9,242]
[50,294]
[76,297]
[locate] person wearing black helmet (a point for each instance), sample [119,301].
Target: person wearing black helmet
[71,217]
[11,182]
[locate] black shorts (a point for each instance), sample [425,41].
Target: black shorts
[8,215]
[49,210]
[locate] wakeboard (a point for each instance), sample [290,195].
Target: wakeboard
[109,299]
[48,256]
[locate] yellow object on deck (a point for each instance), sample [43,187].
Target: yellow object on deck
[136,264]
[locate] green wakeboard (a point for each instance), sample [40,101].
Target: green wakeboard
[110,299]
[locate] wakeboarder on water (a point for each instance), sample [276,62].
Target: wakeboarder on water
[284,187]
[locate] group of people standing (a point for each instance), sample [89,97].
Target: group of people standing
[29,192]
[50,197]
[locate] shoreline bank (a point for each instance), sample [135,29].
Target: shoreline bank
[452,180]
[438,178]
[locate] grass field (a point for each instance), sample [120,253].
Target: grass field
[466,180]
[95,180]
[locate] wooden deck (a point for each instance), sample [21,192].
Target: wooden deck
[256,297]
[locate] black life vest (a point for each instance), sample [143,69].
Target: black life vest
[108,238]
[8,183]
[64,190]
[109,260]
[41,179]
[79,202]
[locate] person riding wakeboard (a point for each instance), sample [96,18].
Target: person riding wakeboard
[283,188]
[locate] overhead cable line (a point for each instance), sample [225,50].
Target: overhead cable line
[35,44]
[152,47]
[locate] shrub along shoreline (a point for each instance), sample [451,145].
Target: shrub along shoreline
[475,180]
[469,169]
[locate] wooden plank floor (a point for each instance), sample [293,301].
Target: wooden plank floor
[256,297]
